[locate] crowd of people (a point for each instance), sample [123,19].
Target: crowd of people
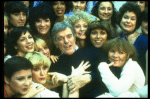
[58,50]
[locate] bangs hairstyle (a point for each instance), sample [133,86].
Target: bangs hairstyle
[39,42]
[77,16]
[15,7]
[97,25]
[43,11]
[38,59]
[121,44]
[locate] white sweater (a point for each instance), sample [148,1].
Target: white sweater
[131,78]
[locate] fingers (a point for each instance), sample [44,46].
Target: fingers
[54,58]
[86,66]
[111,64]
[81,63]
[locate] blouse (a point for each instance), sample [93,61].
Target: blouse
[131,78]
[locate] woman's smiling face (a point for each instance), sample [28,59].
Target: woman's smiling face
[105,11]
[98,37]
[128,21]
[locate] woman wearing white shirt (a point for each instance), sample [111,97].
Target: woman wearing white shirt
[121,54]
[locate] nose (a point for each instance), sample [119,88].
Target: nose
[98,35]
[106,11]
[21,17]
[27,82]
[42,23]
[66,40]
[115,54]
[129,20]
[59,5]
[41,72]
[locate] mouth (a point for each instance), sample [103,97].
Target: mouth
[29,47]
[25,89]
[98,42]
[106,16]
[42,29]
[59,11]
[81,34]
[21,23]
[68,47]
[42,78]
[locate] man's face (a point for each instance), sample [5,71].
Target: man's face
[65,41]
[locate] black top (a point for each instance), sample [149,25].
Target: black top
[94,56]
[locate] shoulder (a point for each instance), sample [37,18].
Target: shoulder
[132,66]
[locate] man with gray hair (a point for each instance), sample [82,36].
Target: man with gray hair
[89,84]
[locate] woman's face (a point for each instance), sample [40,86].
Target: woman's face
[43,26]
[105,11]
[128,21]
[141,4]
[59,8]
[79,5]
[39,74]
[21,81]
[80,29]
[118,57]
[44,50]
[98,37]
[5,25]
[18,19]
[25,43]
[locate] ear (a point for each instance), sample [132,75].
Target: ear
[6,80]
[128,56]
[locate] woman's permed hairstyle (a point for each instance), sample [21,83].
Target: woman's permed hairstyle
[13,38]
[16,64]
[131,7]
[121,44]
[77,16]
[38,59]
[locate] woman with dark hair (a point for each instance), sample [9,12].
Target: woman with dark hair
[17,13]
[105,10]
[129,20]
[41,21]
[60,8]
[121,54]
[18,78]
[20,41]
[97,33]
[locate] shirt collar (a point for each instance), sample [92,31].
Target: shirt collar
[76,48]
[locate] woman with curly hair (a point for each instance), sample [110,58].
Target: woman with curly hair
[105,10]
[129,20]
[80,22]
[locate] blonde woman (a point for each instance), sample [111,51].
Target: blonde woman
[41,46]
[41,65]
[80,21]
